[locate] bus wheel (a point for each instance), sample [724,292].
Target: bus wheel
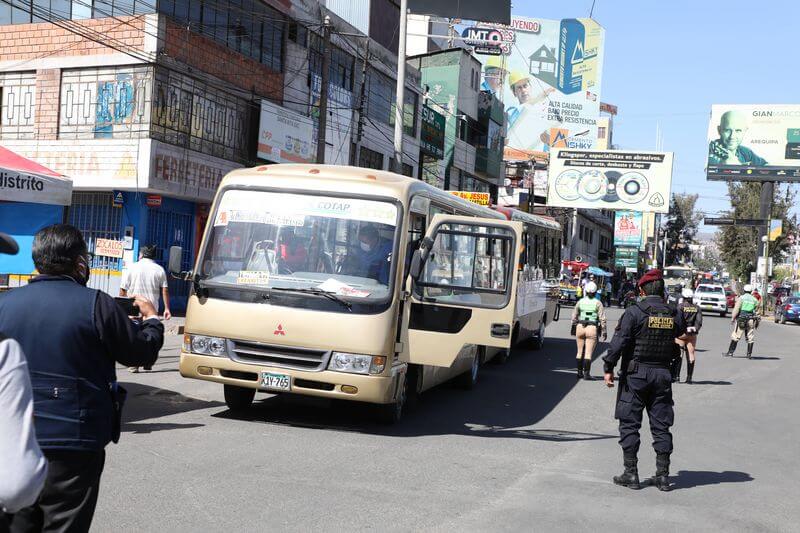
[391,413]
[238,399]
[538,339]
[469,379]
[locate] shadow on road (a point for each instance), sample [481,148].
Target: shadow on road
[688,479]
[707,382]
[764,358]
[145,402]
[508,400]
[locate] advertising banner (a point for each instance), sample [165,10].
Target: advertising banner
[480,198]
[109,248]
[431,140]
[284,136]
[628,228]
[627,258]
[754,142]
[775,229]
[597,179]
[497,11]
[548,74]
[340,114]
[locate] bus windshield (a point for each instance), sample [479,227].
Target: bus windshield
[678,273]
[275,241]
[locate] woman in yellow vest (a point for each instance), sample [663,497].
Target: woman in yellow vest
[588,322]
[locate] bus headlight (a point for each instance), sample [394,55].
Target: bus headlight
[204,345]
[354,363]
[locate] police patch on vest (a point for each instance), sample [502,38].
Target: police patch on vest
[688,309]
[660,322]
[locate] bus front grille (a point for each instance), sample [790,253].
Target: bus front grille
[276,355]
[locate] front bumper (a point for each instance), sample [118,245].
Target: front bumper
[326,384]
[713,306]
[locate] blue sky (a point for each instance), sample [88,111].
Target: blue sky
[666,62]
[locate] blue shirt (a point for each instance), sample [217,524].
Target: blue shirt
[375,263]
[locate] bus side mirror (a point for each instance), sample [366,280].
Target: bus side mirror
[419,258]
[175,261]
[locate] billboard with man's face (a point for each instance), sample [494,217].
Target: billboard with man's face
[547,73]
[751,142]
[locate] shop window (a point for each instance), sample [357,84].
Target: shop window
[17,105]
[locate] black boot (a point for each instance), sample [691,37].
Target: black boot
[579,366]
[661,479]
[630,477]
[587,364]
[689,371]
[749,350]
[731,349]
[676,369]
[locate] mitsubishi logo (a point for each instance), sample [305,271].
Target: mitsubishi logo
[279,331]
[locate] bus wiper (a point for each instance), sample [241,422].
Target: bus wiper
[317,292]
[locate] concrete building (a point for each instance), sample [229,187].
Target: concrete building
[474,138]
[147,104]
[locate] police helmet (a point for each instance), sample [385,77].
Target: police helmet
[591,287]
[747,288]
[687,293]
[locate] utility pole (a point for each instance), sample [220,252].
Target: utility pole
[401,89]
[765,213]
[322,130]
[361,105]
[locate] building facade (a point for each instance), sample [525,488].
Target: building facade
[146,105]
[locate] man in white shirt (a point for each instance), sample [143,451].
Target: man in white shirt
[147,279]
[22,463]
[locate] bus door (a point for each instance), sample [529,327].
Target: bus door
[461,289]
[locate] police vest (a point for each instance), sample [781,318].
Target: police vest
[71,370]
[749,304]
[690,312]
[655,343]
[587,310]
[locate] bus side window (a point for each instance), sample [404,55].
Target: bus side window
[523,255]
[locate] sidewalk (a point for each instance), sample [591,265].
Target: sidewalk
[174,326]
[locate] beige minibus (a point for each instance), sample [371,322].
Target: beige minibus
[346,283]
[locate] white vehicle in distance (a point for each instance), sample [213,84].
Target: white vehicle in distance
[711,298]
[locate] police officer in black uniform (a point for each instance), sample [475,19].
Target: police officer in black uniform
[645,341]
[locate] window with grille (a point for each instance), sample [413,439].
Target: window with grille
[17,105]
[370,159]
[193,114]
[105,103]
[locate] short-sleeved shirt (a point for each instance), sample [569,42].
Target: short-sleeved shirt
[145,278]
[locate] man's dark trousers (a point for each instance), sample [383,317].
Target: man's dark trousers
[68,499]
[648,387]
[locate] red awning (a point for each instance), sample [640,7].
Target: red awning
[24,180]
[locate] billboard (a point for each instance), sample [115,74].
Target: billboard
[548,74]
[628,228]
[610,179]
[284,136]
[497,11]
[627,258]
[752,142]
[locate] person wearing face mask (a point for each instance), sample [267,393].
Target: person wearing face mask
[374,259]
[73,336]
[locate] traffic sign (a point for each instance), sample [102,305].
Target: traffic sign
[755,222]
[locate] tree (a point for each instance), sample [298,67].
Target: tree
[739,244]
[681,227]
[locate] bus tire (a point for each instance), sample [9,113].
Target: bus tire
[391,413]
[238,399]
[469,379]
[538,340]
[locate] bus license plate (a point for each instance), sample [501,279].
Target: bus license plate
[276,381]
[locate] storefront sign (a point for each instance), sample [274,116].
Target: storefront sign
[626,258]
[119,199]
[432,133]
[109,247]
[153,200]
[185,172]
[480,198]
[284,136]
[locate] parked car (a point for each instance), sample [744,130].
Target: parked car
[711,298]
[730,298]
[788,311]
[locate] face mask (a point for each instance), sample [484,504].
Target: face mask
[85,272]
[366,247]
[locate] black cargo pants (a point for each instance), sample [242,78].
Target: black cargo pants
[646,387]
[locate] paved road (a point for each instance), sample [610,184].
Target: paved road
[529,449]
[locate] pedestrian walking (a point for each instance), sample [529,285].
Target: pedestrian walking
[72,337]
[22,463]
[745,318]
[693,318]
[589,322]
[645,341]
[148,279]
